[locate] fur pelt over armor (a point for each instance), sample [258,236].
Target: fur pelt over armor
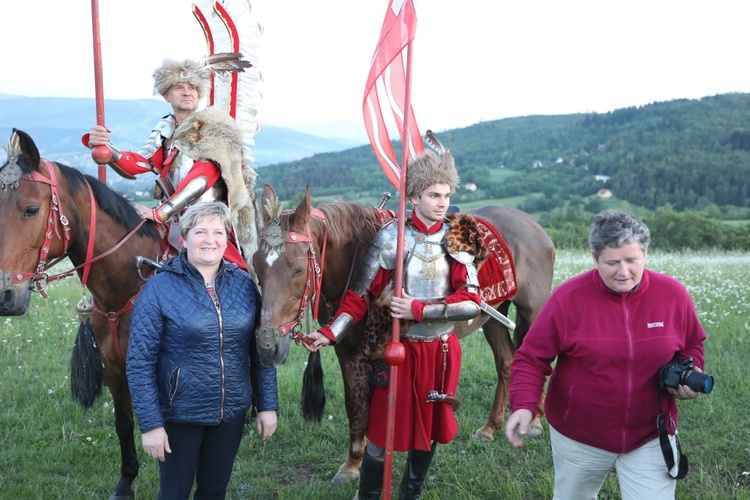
[428,169]
[211,134]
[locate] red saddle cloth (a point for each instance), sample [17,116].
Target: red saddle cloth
[497,276]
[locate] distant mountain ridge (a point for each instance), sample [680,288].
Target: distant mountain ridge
[56,125]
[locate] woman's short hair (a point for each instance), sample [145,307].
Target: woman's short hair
[203,210]
[615,228]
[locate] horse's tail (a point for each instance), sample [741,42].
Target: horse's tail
[86,370]
[313,391]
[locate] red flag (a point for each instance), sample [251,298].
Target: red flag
[387,83]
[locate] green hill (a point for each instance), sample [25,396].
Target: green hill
[689,154]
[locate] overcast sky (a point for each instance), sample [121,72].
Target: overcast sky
[474,60]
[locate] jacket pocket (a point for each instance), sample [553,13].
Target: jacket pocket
[173,384]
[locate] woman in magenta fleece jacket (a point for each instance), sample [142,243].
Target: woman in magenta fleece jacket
[611,330]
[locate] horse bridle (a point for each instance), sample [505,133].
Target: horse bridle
[314,280]
[56,220]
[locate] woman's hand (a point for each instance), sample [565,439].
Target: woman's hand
[266,421]
[518,425]
[156,443]
[683,391]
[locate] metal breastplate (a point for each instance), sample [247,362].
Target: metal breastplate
[427,278]
[161,136]
[179,168]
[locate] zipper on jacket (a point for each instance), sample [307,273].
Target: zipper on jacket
[217,306]
[629,386]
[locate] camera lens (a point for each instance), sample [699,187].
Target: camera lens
[697,381]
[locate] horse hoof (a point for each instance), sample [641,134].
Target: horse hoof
[344,477]
[484,434]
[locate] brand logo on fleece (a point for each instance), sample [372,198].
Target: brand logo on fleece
[655,324]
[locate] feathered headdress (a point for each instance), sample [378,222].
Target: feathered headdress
[197,73]
[430,168]
[232,26]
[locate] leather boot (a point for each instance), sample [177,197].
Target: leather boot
[417,465]
[370,479]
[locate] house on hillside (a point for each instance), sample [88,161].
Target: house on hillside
[470,186]
[604,194]
[602,178]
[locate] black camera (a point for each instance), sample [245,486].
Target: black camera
[676,373]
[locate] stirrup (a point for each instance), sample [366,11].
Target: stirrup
[140,261]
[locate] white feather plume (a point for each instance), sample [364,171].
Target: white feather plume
[248,96]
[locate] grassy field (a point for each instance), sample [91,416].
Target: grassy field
[50,448]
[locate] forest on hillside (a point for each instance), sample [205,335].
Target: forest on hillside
[686,153]
[683,165]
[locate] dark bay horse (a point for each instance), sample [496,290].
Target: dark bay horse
[307,251]
[50,211]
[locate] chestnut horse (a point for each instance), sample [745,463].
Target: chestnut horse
[50,211]
[309,255]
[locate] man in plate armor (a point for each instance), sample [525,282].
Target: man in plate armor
[439,289]
[196,155]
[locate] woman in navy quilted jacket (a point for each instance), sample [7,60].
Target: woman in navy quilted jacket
[192,365]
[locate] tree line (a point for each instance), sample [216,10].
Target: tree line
[682,164]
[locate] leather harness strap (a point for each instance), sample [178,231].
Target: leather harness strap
[314,278]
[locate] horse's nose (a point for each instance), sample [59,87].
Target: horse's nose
[267,337]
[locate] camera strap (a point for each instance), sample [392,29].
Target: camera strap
[677,462]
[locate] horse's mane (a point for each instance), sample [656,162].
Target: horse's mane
[349,222]
[112,203]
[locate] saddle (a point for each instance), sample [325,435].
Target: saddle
[497,275]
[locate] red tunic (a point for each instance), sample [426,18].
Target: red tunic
[419,422]
[134,164]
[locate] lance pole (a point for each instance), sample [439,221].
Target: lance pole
[101,154]
[395,352]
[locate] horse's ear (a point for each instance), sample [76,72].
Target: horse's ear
[267,198]
[301,216]
[26,145]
